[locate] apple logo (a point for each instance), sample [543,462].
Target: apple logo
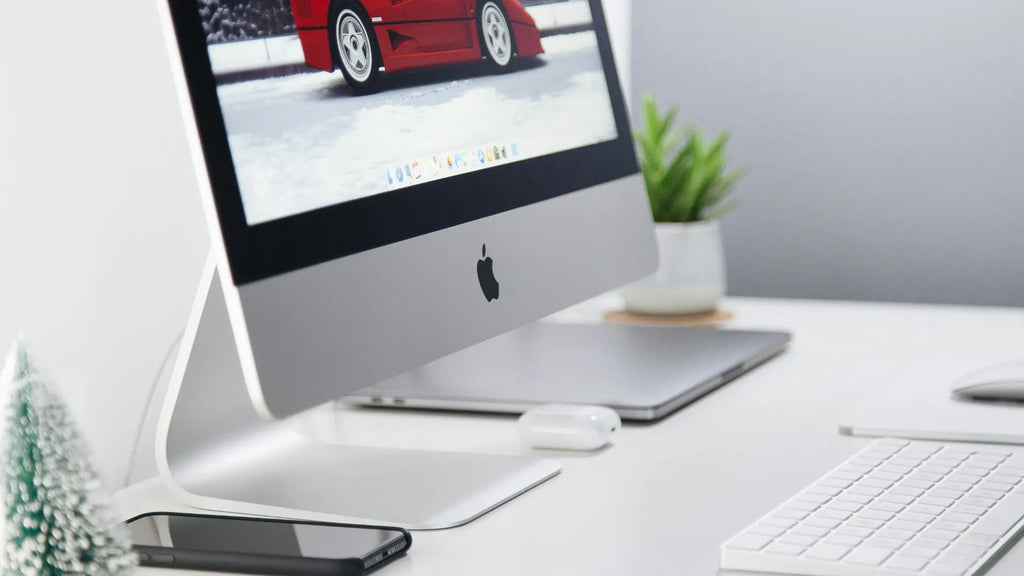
[485,272]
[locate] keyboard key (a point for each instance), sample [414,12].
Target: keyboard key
[891,476]
[765,530]
[930,543]
[969,509]
[996,486]
[979,501]
[927,476]
[792,513]
[949,565]
[749,542]
[862,522]
[944,493]
[969,550]
[951,526]
[937,468]
[978,540]
[856,531]
[888,533]
[878,542]
[802,505]
[873,482]
[855,498]
[908,525]
[844,506]
[821,489]
[836,483]
[868,556]
[939,534]
[957,517]
[830,552]
[979,470]
[865,490]
[1005,478]
[905,460]
[894,468]
[867,461]
[821,522]
[844,540]
[938,501]
[806,530]
[785,549]
[779,521]
[896,498]
[958,487]
[907,563]
[798,539]
[1015,470]
[833,514]
[847,475]
[907,491]
[917,483]
[876,515]
[815,498]
[915,517]
[861,469]
[916,551]
[927,509]
[990,494]
[964,478]
[880,504]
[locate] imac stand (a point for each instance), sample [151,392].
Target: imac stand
[215,452]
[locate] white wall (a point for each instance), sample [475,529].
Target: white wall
[101,232]
[885,139]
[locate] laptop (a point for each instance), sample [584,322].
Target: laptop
[642,372]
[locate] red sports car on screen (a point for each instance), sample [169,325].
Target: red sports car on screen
[367,37]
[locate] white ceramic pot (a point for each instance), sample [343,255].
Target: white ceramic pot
[691,274]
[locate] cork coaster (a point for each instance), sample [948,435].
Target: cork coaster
[712,318]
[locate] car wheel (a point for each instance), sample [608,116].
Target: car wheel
[496,41]
[354,46]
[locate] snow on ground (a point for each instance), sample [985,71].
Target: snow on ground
[303,142]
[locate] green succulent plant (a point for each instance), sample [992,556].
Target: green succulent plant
[685,174]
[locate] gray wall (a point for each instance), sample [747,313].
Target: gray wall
[886,140]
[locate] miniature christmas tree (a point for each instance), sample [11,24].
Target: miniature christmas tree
[57,520]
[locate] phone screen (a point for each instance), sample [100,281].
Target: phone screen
[258,536]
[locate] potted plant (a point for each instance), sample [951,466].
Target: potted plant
[687,184]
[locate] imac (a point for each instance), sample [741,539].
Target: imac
[466,172]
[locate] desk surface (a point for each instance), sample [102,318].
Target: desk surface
[663,498]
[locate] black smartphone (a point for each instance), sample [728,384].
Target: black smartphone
[263,545]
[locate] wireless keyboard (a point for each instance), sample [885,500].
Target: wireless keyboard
[897,507]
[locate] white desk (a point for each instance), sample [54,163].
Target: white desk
[666,494]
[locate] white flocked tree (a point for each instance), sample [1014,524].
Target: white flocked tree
[57,520]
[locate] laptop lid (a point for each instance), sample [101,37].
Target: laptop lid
[643,372]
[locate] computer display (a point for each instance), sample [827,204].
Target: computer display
[477,85]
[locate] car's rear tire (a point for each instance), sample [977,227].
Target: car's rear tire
[354,46]
[497,44]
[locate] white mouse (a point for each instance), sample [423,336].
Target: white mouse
[568,426]
[1001,382]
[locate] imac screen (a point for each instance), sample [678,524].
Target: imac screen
[422,90]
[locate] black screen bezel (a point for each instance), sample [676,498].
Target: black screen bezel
[271,248]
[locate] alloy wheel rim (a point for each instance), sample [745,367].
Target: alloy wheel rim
[496,35]
[354,46]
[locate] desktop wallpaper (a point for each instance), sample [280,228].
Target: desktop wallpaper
[302,138]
